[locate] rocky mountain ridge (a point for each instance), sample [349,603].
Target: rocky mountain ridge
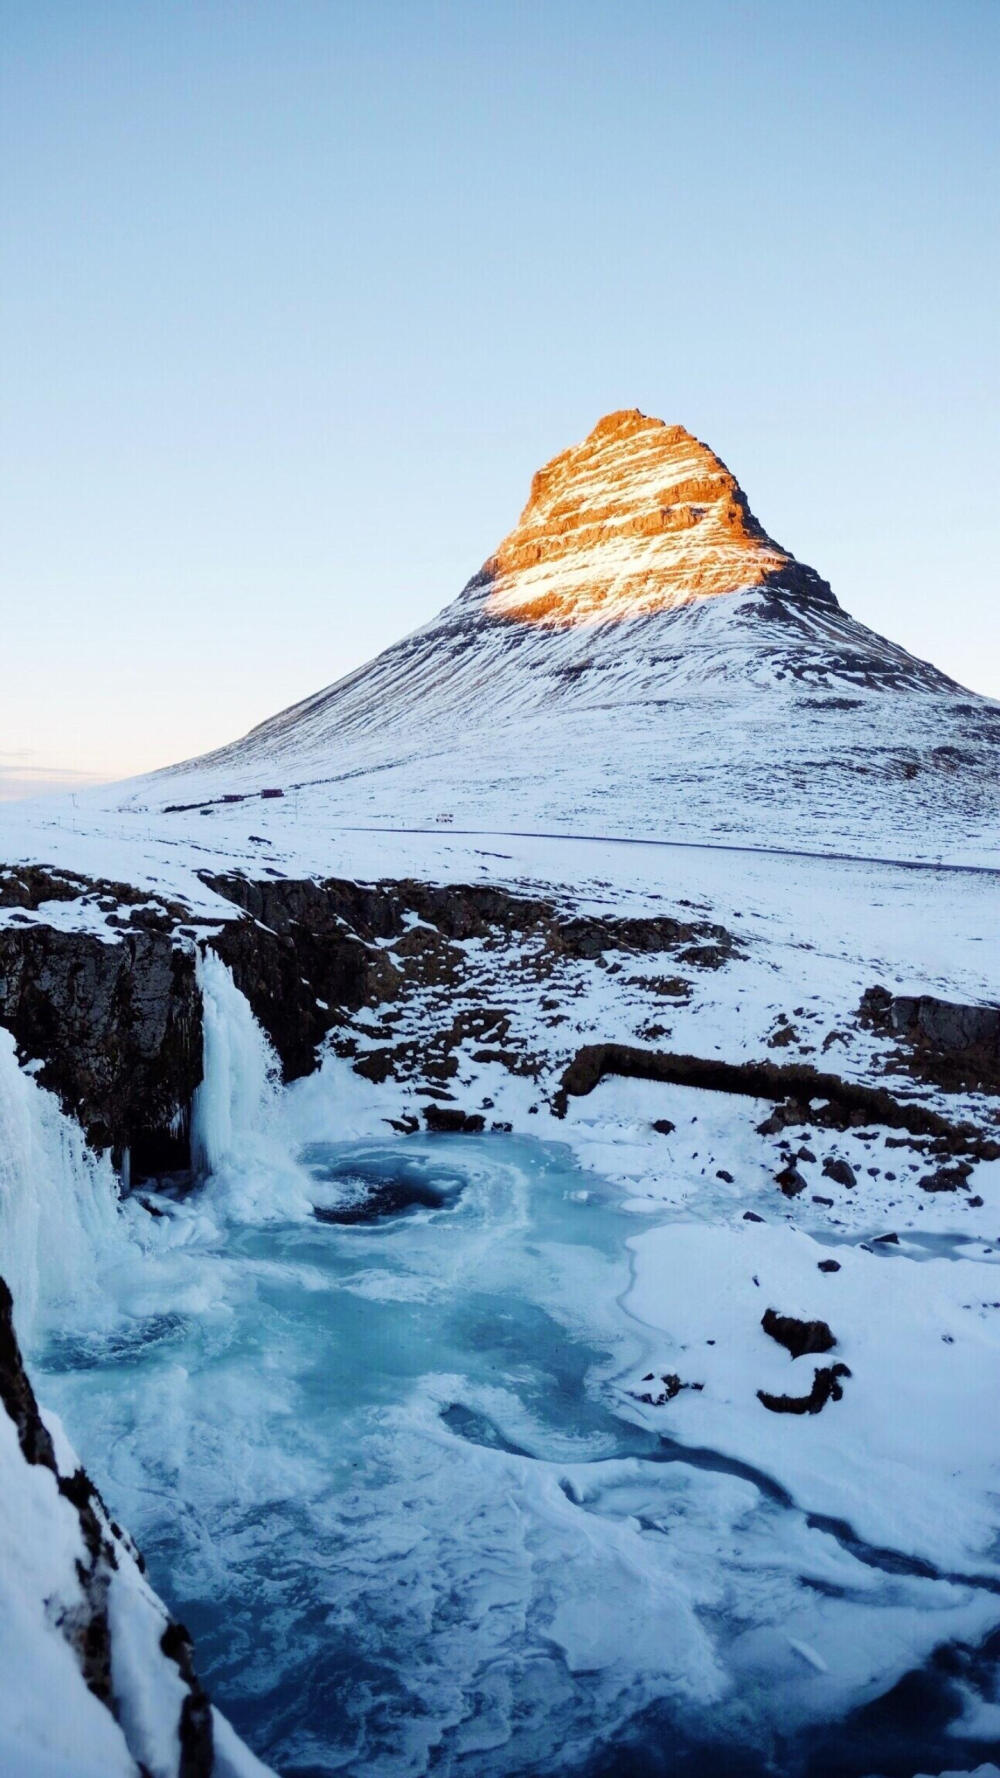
[640,517]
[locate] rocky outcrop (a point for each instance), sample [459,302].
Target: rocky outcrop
[116,1024]
[114,1018]
[840,1171]
[452,1120]
[842,1103]
[309,955]
[826,1386]
[639,518]
[952,1043]
[798,1337]
[300,960]
[109,1006]
[28,887]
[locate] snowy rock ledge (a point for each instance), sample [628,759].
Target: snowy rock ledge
[96,1679]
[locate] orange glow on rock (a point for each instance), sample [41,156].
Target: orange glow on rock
[641,517]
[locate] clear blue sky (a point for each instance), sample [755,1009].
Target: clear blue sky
[295,296]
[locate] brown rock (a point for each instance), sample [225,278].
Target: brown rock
[798,1337]
[640,517]
[826,1387]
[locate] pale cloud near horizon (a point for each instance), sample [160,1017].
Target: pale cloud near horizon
[22,776]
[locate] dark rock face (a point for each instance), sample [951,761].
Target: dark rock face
[451,1118]
[955,1045]
[117,1027]
[298,959]
[16,1393]
[195,1730]
[797,1337]
[791,1181]
[946,1025]
[87,1629]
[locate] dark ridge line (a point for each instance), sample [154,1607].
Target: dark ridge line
[756,1080]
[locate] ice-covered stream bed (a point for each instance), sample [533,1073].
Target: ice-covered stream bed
[386,1472]
[369,1407]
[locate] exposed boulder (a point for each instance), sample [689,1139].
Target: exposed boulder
[946,1179]
[951,1042]
[840,1171]
[452,1119]
[798,1337]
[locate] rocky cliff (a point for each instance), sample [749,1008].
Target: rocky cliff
[640,518]
[112,1014]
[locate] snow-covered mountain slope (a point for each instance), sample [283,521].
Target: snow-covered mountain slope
[637,658]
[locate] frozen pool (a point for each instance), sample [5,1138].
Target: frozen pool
[380,1459]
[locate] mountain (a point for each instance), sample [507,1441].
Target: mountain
[422,1237]
[640,657]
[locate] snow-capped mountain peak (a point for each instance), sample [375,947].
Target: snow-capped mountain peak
[636,571]
[638,657]
[639,518]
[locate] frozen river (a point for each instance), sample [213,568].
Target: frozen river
[379,1454]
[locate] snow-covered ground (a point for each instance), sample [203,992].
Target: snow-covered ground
[815,768]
